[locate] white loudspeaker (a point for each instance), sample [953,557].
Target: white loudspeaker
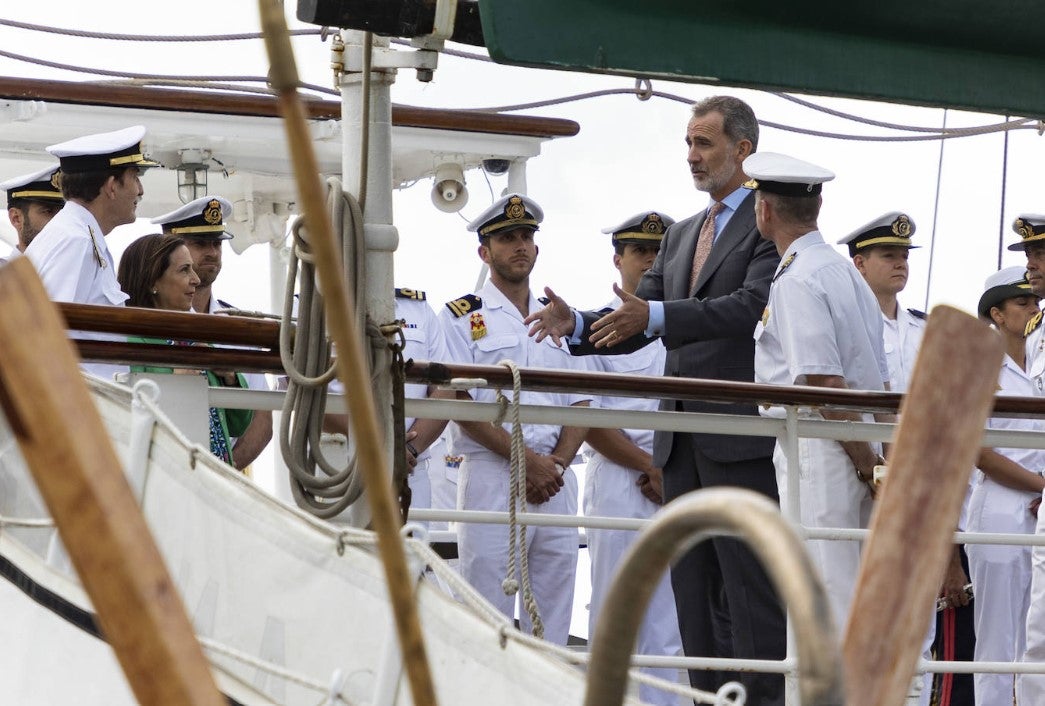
[449,194]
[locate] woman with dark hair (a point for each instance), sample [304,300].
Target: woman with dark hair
[156,273]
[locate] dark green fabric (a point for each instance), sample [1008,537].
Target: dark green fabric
[234,422]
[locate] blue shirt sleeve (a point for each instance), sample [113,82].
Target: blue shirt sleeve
[655,327]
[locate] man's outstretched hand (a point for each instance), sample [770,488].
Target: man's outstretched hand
[631,318]
[555,320]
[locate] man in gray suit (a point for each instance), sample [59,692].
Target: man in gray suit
[702,298]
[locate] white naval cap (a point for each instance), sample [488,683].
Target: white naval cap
[202,219]
[42,185]
[1003,284]
[646,228]
[780,174]
[102,151]
[511,211]
[893,228]
[1031,228]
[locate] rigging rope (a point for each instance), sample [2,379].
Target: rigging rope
[318,485]
[643,89]
[516,500]
[936,212]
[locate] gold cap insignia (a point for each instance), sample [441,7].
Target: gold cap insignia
[514,209]
[1025,229]
[212,213]
[902,227]
[751,184]
[652,224]
[56,179]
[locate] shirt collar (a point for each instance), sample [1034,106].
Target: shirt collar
[733,200]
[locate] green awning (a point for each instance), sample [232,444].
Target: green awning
[951,53]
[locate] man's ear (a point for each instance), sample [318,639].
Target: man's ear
[859,261]
[744,150]
[484,253]
[617,260]
[16,218]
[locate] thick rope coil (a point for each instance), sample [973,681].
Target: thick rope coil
[318,485]
[517,499]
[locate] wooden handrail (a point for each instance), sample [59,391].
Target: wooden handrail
[689,388]
[228,103]
[158,323]
[195,357]
[263,333]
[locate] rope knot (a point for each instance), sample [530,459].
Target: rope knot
[510,587]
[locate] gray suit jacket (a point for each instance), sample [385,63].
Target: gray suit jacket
[708,331]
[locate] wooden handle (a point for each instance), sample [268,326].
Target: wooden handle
[351,363]
[69,454]
[936,446]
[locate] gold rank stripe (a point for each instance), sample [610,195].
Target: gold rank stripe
[889,239]
[1032,324]
[129,158]
[36,194]
[199,229]
[639,235]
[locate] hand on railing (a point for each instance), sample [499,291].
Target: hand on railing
[651,484]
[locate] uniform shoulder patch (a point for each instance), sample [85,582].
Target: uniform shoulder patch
[544,300]
[918,314]
[463,305]
[224,304]
[1033,324]
[403,293]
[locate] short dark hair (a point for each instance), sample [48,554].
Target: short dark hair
[796,209]
[738,119]
[87,185]
[142,263]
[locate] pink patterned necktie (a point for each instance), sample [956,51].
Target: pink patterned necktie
[704,242]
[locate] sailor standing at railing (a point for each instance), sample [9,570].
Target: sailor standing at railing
[487,328]
[1030,688]
[101,184]
[621,480]
[822,327]
[202,224]
[880,251]
[32,201]
[1000,573]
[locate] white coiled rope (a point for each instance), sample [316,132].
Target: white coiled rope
[517,501]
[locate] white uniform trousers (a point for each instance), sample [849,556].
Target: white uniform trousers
[610,491]
[1030,688]
[1001,582]
[831,496]
[552,551]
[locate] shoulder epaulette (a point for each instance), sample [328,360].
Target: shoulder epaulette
[917,314]
[225,304]
[402,293]
[1032,324]
[544,300]
[464,305]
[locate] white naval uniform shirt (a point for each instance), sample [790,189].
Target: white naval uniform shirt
[424,340]
[821,319]
[75,264]
[493,332]
[902,338]
[648,360]
[1035,348]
